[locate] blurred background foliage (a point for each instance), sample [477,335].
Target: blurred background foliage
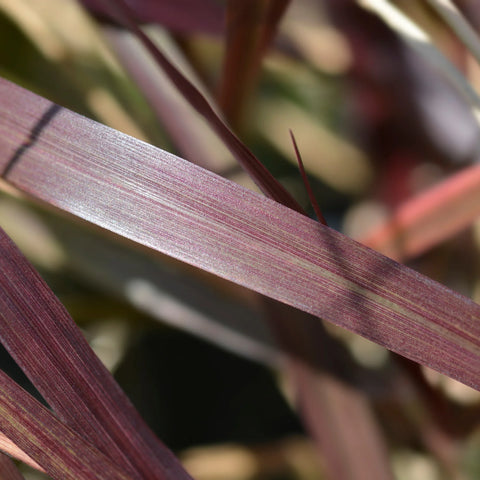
[376,125]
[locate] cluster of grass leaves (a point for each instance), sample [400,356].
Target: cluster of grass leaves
[372,142]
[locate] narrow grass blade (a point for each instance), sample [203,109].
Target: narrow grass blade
[260,175]
[59,450]
[174,207]
[251,26]
[311,195]
[42,338]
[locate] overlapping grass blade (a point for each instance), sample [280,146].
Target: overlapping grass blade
[42,338]
[63,453]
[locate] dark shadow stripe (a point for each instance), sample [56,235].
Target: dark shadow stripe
[34,134]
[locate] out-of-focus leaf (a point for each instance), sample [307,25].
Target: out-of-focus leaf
[8,470]
[177,208]
[407,111]
[329,404]
[419,40]
[42,338]
[453,18]
[430,218]
[251,26]
[192,137]
[470,10]
[63,453]
[182,15]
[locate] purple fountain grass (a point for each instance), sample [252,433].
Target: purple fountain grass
[141,193]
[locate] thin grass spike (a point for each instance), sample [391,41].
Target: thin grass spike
[311,196]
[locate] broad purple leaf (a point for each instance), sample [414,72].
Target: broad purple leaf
[187,16]
[174,207]
[63,454]
[49,347]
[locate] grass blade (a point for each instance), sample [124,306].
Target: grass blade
[251,26]
[48,346]
[59,450]
[176,208]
